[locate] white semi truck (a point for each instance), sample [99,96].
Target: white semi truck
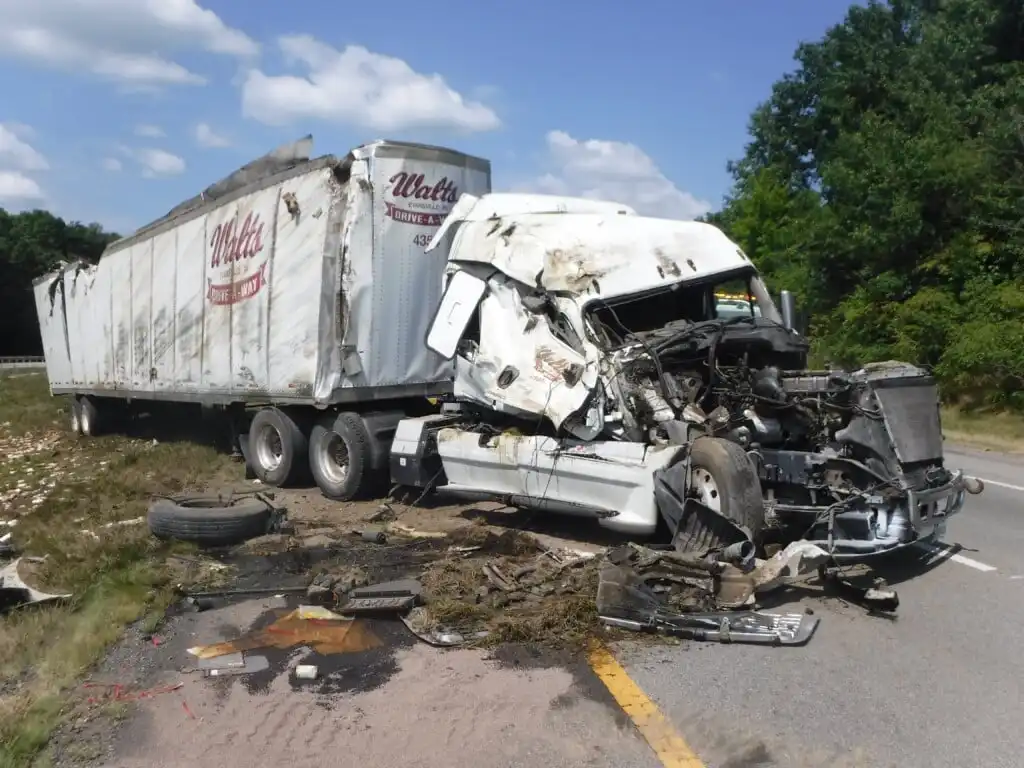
[581,357]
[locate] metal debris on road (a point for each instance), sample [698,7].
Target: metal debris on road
[233,664]
[625,600]
[388,597]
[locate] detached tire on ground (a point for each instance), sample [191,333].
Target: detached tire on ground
[277,447]
[723,478]
[340,457]
[208,520]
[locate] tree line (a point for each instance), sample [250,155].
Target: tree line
[31,244]
[884,185]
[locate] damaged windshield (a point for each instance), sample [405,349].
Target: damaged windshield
[730,297]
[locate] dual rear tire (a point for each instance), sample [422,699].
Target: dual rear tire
[85,416]
[337,450]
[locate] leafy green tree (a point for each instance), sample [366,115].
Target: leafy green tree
[884,184]
[31,244]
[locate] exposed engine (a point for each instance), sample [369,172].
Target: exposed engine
[839,455]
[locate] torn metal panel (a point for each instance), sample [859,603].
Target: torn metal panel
[596,254]
[15,593]
[292,280]
[458,304]
[518,365]
[625,600]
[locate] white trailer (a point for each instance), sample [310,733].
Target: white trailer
[300,286]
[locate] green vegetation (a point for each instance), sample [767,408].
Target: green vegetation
[884,186]
[63,491]
[32,244]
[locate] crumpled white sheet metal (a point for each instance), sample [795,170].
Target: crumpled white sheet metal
[588,250]
[14,592]
[796,562]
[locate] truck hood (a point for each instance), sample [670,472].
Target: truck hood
[584,247]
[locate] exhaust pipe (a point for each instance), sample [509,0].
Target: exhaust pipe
[740,554]
[788,309]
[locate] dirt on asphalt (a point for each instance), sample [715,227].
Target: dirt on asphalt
[397,701]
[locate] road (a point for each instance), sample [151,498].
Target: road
[940,685]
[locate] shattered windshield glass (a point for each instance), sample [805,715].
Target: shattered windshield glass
[723,297]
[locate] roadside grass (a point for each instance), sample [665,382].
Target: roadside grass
[984,428]
[64,492]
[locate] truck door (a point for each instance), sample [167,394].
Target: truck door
[516,364]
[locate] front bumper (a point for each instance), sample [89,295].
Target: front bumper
[930,509]
[888,525]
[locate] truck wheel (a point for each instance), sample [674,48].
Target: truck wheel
[209,521]
[339,456]
[277,447]
[89,421]
[76,416]
[723,478]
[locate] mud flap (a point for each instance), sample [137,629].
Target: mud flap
[695,527]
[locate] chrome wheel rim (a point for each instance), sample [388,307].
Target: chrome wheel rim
[334,458]
[269,448]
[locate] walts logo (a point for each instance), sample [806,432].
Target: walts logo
[419,201]
[229,246]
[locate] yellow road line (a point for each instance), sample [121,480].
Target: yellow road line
[670,747]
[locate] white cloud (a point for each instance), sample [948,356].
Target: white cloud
[208,138]
[150,131]
[616,171]
[14,152]
[112,165]
[358,87]
[17,187]
[157,162]
[22,131]
[127,41]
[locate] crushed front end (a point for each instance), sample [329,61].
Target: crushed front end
[850,461]
[873,480]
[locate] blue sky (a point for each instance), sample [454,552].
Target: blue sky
[643,103]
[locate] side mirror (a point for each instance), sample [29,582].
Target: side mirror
[787,306]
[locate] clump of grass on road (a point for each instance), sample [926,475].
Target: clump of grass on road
[115,573]
[985,428]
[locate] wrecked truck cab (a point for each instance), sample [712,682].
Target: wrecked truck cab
[618,367]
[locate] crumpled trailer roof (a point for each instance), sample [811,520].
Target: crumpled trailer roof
[290,280]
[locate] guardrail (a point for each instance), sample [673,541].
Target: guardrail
[23,363]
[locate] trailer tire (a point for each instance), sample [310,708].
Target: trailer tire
[89,420]
[208,520]
[277,447]
[76,416]
[726,480]
[243,448]
[340,457]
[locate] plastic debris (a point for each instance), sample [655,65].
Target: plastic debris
[306,672]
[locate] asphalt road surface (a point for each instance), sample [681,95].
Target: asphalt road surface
[942,684]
